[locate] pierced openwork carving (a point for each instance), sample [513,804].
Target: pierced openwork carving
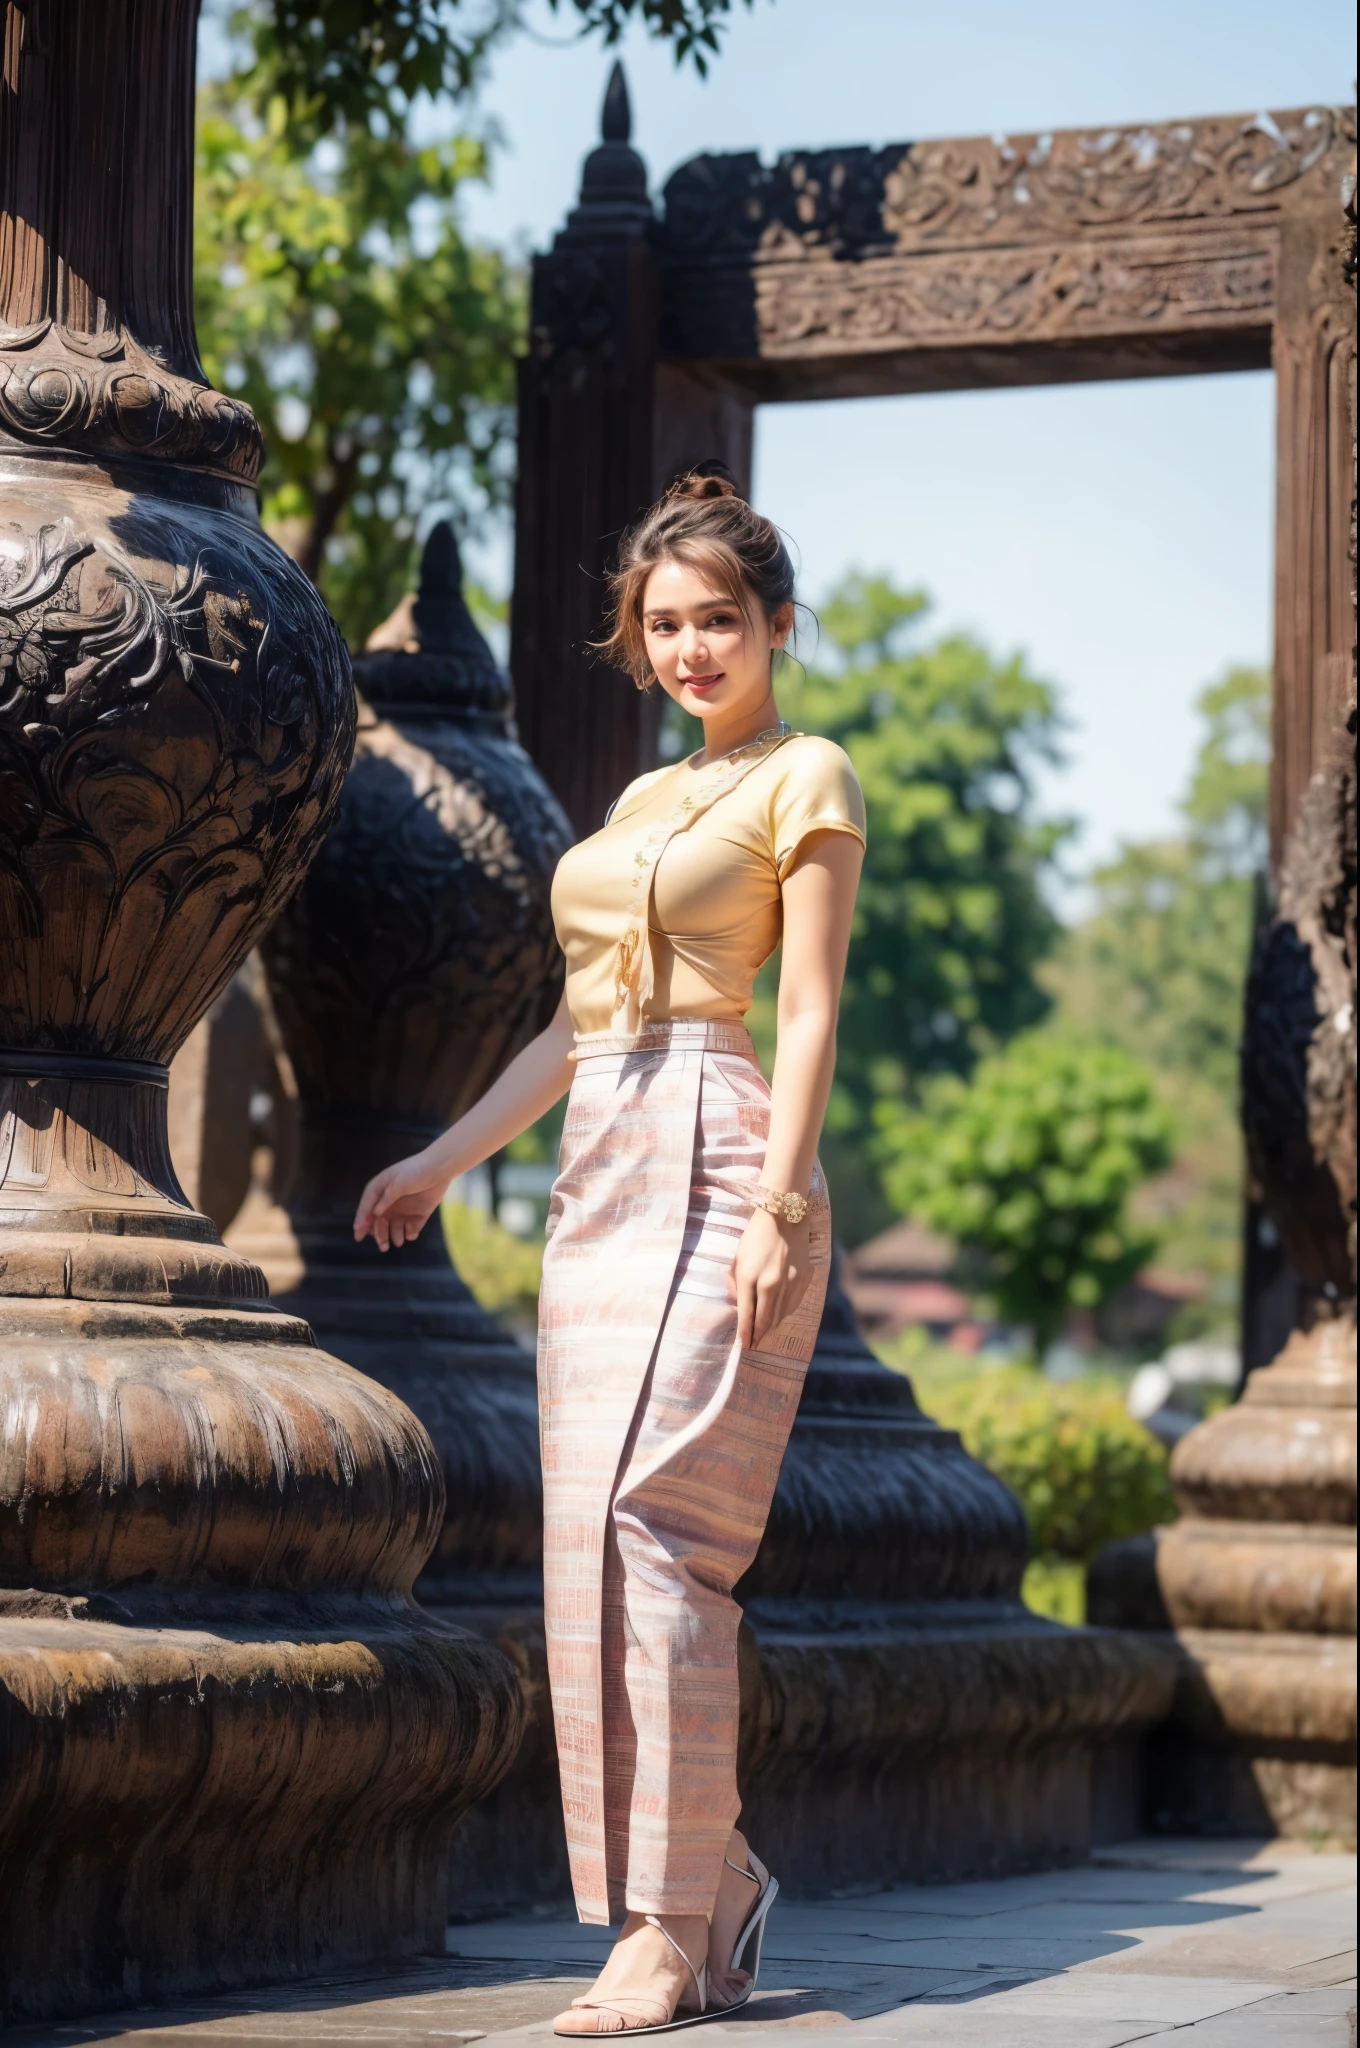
[984,191]
[1037,185]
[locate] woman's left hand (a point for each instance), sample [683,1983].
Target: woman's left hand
[770,1274]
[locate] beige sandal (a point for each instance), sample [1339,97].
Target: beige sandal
[681,2016]
[752,1933]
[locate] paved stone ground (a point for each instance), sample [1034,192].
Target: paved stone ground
[1221,1945]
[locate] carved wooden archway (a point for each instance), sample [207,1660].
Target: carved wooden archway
[1206,245]
[1162,250]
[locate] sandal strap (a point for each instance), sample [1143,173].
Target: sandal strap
[623,2009]
[652,1921]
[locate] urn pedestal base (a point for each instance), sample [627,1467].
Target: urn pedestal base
[904,1716]
[235,1749]
[946,1741]
[406,1319]
[1254,1594]
[895,1745]
[263,1796]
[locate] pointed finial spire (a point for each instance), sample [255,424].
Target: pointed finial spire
[441,618]
[616,115]
[429,657]
[614,202]
[441,567]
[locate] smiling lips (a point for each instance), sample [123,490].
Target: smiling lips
[702,683]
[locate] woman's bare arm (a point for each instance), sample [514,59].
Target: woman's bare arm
[772,1272]
[399,1201]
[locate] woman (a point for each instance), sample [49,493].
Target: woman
[688,1245]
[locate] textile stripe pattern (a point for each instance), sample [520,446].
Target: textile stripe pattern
[662,1441]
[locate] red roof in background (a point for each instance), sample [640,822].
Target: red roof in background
[908,1301]
[905,1252]
[1173,1286]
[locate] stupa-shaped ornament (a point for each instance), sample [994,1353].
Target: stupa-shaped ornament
[235,1749]
[415,961]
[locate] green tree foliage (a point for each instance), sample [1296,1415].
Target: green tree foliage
[1030,1166]
[334,289]
[502,1271]
[1086,1473]
[951,923]
[339,61]
[1158,968]
[336,293]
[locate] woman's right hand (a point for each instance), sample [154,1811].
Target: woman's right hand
[398,1202]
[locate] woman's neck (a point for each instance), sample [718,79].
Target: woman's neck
[722,734]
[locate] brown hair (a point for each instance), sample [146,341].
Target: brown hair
[703,522]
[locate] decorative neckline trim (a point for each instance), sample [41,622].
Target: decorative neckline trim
[780,730]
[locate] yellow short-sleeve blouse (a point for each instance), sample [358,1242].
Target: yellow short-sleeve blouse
[716,905]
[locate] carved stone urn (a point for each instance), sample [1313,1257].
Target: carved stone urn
[1257,1580]
[415,961]
[235,1749]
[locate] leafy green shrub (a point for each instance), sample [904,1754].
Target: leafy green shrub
[502,1270]
[1056,1588]
[1085,1471]
[1031,1164]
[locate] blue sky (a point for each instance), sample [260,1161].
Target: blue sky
[1119,533]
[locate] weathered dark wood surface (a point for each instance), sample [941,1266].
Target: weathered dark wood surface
[585,470]
[1161,249]
[415,961]
[235,1748]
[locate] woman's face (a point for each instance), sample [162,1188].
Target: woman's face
[708,654]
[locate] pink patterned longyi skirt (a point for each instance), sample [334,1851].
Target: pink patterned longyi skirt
[662,1442]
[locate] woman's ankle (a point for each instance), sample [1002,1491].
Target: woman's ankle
[674,1923]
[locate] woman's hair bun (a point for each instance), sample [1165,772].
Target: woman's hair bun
[705,521]
[711,479]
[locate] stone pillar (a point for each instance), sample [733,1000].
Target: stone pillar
[1257,1581]
[414,962]
[1258,1578]
[235,1749]
[585,471]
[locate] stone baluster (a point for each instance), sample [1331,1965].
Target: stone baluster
[414,962]
[235,1748]
[1256,1583]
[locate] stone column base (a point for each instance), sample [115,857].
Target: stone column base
[257,1797]
[1253,1593]
[1260,1739]
[879,1745]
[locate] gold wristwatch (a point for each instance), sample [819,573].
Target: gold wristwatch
[792,1208]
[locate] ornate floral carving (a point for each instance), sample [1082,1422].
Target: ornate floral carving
[1049,294]
[984,191]
[416,959]
[1077,181]
[574,304]
[420,951]
[175,720]
[103,394]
